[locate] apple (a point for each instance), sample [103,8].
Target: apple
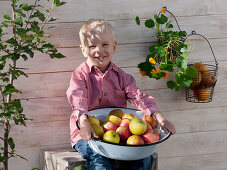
[208,79]
[98,130]
[150,120]
[149,126]
[137,126]
[114,119]
[123,132]
[135,140]
[111,136]
[93,120]
[117,112]
[109,126]
[128,116]
[202,94]
[151,136]
[125,122]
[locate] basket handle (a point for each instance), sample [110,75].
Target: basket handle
[172,16]
[194,33]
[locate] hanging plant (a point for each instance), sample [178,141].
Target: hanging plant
[168,55]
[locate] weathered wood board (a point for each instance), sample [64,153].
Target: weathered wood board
[200,142]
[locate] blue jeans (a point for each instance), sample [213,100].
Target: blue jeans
[98,162]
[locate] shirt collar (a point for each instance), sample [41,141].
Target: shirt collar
[111,66]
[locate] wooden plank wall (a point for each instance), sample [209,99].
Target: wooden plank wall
[201,139]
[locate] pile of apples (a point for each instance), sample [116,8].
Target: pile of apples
[126,128]
[202,82]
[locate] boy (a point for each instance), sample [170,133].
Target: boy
[99,83]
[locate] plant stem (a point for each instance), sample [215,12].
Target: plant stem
[6,144]
[6,121]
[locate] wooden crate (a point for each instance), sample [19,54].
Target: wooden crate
[68,159]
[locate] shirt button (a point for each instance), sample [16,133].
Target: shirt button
[105,94]
[101,106]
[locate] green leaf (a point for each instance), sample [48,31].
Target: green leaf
[177,86]
[24,57]
[158,75]
[15,56]
[22,33]
[57,55]
[169,25]
[11,143]
[40,15]
[2,158]
[183,79]
[12,41]
[58,3]
[161,51]
[191,71]
[6,79]
[19,21]
[6,16]
[147,67]
[167,67]
[2,64]
[18,73]
[164,19]
[26,7]
[170,84]
[137,20]
[9,89]
[78,167]
[182,62]
[149,23]
[52,19]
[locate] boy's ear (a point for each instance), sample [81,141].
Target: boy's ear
[82,50]
[115,46]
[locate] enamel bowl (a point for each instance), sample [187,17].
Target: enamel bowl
[121,151]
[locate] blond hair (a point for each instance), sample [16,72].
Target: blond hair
[94,25]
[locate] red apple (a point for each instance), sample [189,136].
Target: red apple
[135,140]
[125,122]
[123,132]
[151,136]
[150,120]
[128,116]
[114,119]
[109,126]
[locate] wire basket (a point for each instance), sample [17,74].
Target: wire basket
[202,88]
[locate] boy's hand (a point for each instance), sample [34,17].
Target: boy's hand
[164,123]
[86,131]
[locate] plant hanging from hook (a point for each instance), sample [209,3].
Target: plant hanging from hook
[168,55]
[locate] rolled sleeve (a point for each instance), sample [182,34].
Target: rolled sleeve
[77,95]
[142,101]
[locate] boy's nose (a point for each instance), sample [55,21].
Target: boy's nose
[99,50]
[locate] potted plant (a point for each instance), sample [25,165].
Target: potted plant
[168,55]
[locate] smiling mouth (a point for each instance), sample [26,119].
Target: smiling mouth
[100,59]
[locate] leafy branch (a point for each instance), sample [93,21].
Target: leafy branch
[27,37]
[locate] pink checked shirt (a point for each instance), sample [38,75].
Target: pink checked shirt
[90,89]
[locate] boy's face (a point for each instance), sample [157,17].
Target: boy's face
[99,48]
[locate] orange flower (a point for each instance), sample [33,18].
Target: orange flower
[158,69]
[142,73]
[166,76]
[165,48]
[155,71]
[163,10]
[152,61]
